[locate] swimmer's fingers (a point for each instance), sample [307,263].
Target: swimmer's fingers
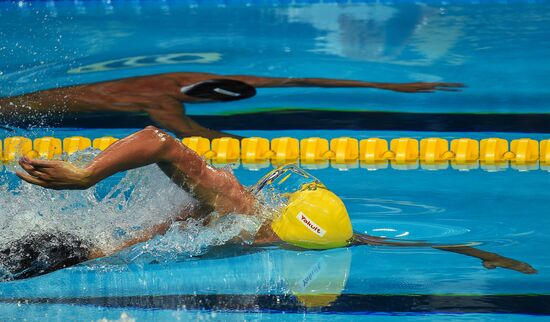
[29,168]
[54,174]
[45,171]
[450,87]
[432,87]
[447,89]
[36,163]
[509,264]
[457,85]
[526,268]
[30,179]
[41,181]
[425,87]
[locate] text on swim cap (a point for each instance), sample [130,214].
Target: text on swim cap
[310,224]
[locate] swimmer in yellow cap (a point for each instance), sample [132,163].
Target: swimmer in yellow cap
[307,214]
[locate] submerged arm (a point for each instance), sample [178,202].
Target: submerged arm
[489,260]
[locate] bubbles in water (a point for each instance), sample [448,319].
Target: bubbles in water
[141,199]
[191,238]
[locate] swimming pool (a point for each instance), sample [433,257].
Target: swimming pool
[497,49]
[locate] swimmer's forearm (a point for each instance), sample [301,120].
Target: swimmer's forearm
[303,82]
[459,249]
[416,87]
[217,189]
[468,251]
[149,146]
[19,105]
[45,101]
[488,259]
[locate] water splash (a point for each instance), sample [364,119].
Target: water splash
[115,211]
[140,199]
[191,238]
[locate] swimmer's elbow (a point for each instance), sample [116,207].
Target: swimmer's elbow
[162,143]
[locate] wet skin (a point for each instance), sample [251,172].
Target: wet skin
[160,97]
[216,190]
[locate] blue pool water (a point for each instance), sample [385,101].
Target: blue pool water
[499,50]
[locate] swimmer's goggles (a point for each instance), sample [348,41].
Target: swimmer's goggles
[221,90]
[284,180]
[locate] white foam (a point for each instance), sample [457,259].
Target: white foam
[142,198]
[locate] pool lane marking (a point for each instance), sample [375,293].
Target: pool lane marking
[346,303]
[147,61]
[326,120]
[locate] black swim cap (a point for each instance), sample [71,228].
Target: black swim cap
[220,90]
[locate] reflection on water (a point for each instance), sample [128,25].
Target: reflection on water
[373,207]
[406,35]
[316,280]
[481,45]
[406,220]
[267,280]
[312,278]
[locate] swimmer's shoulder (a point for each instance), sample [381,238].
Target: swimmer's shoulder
[266,235]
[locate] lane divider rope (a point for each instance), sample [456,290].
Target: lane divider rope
[316,153]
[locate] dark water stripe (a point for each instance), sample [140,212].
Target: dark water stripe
[202,3]
[331,120]
[347,303]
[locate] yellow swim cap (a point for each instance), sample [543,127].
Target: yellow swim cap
[314,218]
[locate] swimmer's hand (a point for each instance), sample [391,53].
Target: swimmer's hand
[488,259]
[421,87]
[55,175]
[509,263]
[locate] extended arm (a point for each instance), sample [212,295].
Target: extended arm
[215,188]
[417,87]
[160,97]
[30,105]
[489,260]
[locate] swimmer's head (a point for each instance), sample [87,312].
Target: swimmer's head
[313,217]
[221,90]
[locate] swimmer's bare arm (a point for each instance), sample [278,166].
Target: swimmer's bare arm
[160,97]
[261,81]
[170,115]
[489,260]
[416,87]
[214,188]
